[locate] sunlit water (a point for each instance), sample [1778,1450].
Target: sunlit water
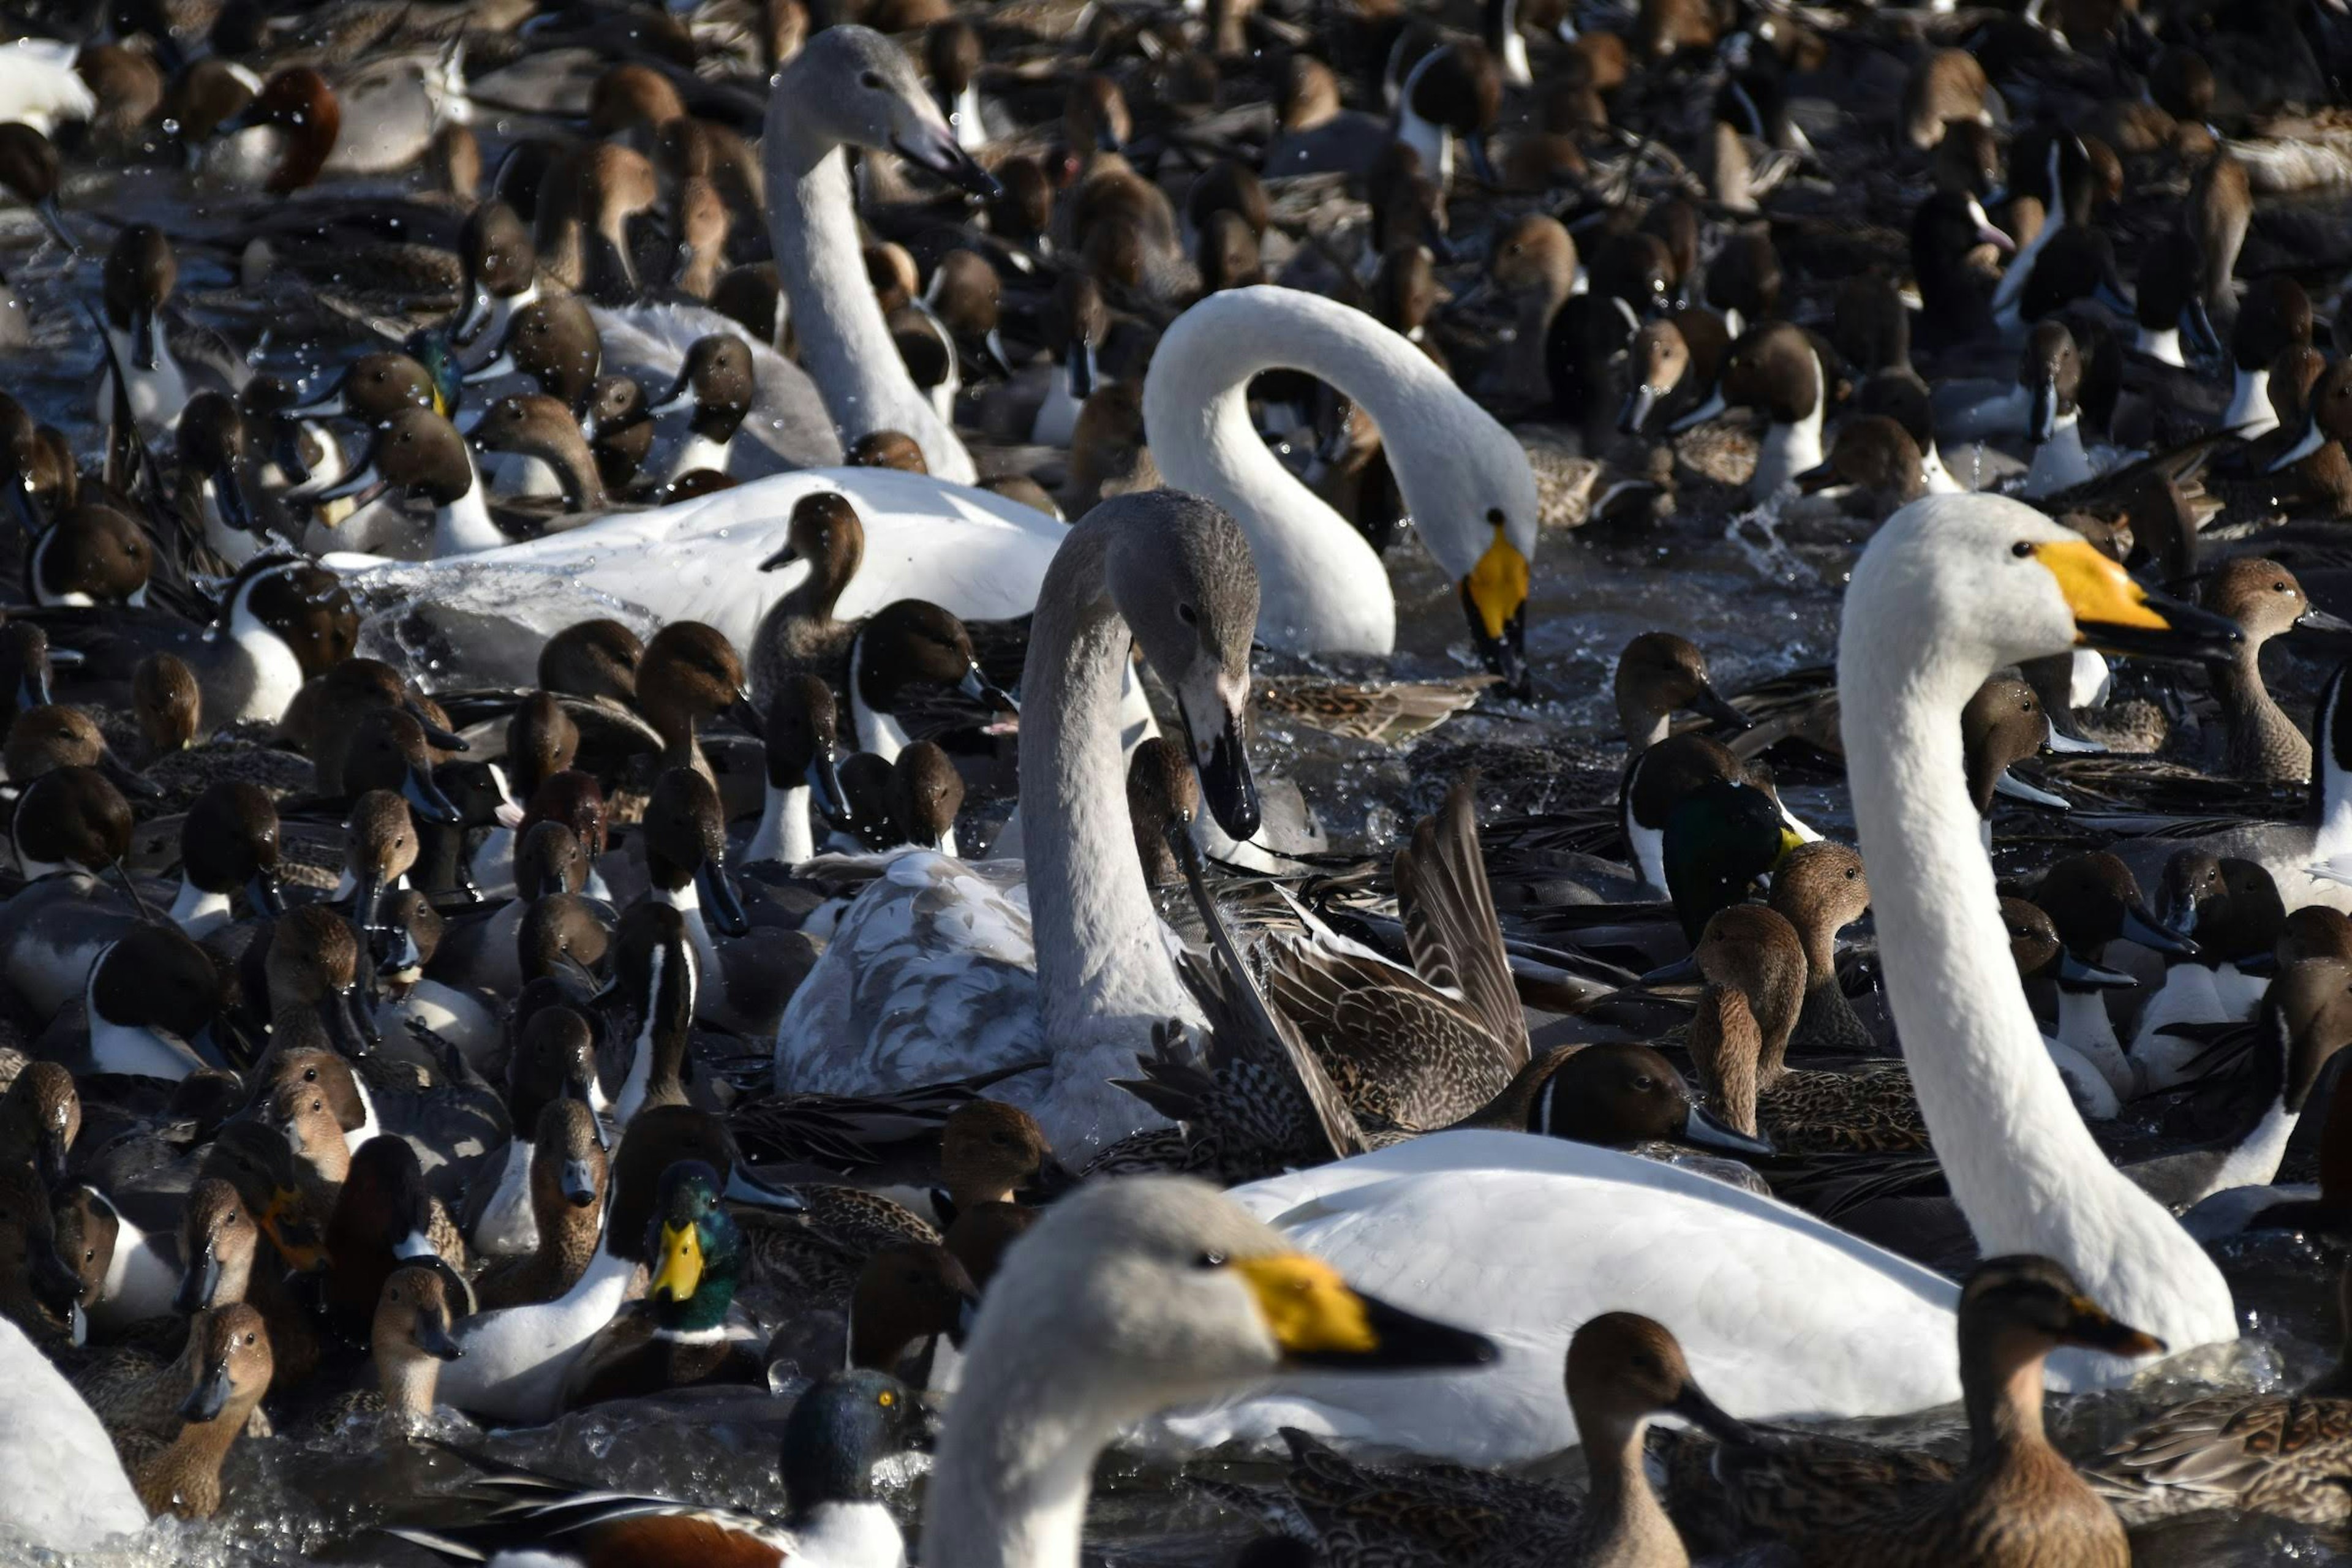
[1758,597]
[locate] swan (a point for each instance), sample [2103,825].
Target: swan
[1464,478]
[1130,1294]
[850,86]
[966,549]
[67,1491]
[941,968]
[1782,1315]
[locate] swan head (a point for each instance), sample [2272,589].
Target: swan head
[1157,1290]
[871,96]
[1969,582]
[1183,577]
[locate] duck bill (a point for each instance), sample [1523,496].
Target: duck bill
[425,797]
[475,316]
[367,897]
[1692,1406]
[1714,407]
[436,735]
[1318,1319]
[2313,437]
[348,1024]
[228,497]
[498,364]
[50,1157]
[2318,620]
[1987,233]
[33,686]
[679,399]
[1481,162]
[361,486]
[2140,925]
[579,1184]
[330,406]
[1223,765]
[1710,703]
[1640,404]
[2043,422]
[1704,1132]
[1682,971]
[263,892]
[1052,1180]
[779,560]
[2088,1325]
[286,451]
[55,222]
[742,1187]
[991,698]
[2115,614]
[720,904]
[824,781]
[1081,371]
[198,1281]
[209,1397]
[993,357]
[57,1286]
[122,776]
[2197,325]
[146,338]
[2082,974]
[434,1337]
[681,1263]
[2007,784]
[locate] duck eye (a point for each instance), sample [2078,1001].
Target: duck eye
[2021,549]
[2278,587]
[1849,875]
[885,1399]
[1645,1083]
[1188,615]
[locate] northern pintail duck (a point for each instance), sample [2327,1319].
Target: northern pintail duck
[568,1173]
[2232,908]
[227,1368]
[2016,1501]
[1780,370]
[141,274]
[553,1057]
[409,1338]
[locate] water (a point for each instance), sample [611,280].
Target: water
[1758,595]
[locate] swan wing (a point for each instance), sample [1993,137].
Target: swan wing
[1527,1237]
[788,427]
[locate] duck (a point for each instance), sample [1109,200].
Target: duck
[1194,622]
[681,1336]
[517,1359]
[1820,889]
[2269,1452]
[408,1341]
[847,1426]
[1192,1297]
[141,274]
[1951,586]
[568,1175]
[553,1056]
[1460,473]
[179,1472]
[1779,369]
[2232,909]
[1623,1370]
[2016,1501]
[801,736]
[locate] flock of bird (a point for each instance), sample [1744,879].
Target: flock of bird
[633,727]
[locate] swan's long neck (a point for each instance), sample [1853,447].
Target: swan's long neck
[1014,1468]
[2021,1163]
[1322,587]
[844,344]
[1099,948]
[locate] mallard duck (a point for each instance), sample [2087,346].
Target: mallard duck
[679,1335]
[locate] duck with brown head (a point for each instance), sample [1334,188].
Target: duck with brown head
[141,274]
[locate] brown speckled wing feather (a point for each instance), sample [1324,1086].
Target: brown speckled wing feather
[1450,923]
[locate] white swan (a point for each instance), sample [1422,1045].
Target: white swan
[66,1491]
[1524,1238]
[1465,479]
[971,553]
[849,86]
[1127,1297]
[940,968]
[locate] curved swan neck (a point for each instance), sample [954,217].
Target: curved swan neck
[844,343]
[1097,935]
[2022,1166]
[1322,587]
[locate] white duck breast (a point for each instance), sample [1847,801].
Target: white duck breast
[39,85]
[967,551]
[515,1358]
[508,1227]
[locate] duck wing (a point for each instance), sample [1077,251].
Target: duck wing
[2279,1454]
[1450,924]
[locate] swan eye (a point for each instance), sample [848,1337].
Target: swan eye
[1209,1260]
[872,80]
[1494,515]
[2021,549]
